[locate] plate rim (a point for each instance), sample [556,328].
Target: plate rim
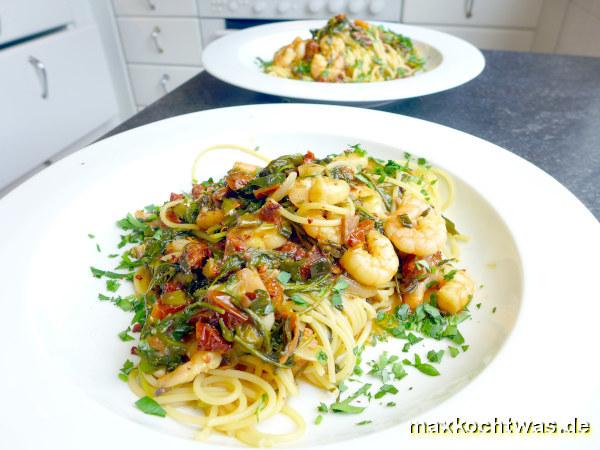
[574,203]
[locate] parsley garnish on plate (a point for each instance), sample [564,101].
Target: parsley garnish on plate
[149,406]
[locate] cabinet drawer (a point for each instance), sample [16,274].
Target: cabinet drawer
[493,39]
[20,18]
[155,7]
[152,82]
[163,41]
[499,13]
[79,97]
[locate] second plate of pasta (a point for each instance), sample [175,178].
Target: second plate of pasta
[343,60]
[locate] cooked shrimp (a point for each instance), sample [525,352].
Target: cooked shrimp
[375,265]
[329,190]
[318,66]
[208,218]
[298,193]
[416,228]
[265,236]
[199,362]
[248,280]
[415,297]
[456,293]
[352,160]
[319,189]
[323,234]
[370,200]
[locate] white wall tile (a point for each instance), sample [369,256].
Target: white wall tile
[580,34]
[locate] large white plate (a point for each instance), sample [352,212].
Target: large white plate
[450,63]
[533,359]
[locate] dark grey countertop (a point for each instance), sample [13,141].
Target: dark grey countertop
[545,108]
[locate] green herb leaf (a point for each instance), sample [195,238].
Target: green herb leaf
[386,389]
[450,226]
[427,369]
[124,336]
[322,357]
[318,419]
[112,285]
[149,406]
[284,277]
[453,351]
[126,370]
[435,357]
[364,422]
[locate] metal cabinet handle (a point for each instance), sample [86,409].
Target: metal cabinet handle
[41,73]
[155,33]
[469,8]
[163,82]
[151,5]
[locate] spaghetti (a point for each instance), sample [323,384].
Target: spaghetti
[246,284]
[346,51]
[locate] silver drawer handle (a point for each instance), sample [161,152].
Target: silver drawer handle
[154,35]
[469,8]
[151,5]
[41,73]
[163,82]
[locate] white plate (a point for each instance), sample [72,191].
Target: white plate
[450,63]
[533,359]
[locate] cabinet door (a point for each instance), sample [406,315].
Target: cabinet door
[59,90]
[20,18]
[155,7]
[493,38]
[152,82]
[161,40]
[499,13]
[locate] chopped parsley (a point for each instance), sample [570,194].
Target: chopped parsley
[364,422]
[453,351]
[435,357]
[322,357]
[112,285]
[149,406]
[126,370]
[425,368]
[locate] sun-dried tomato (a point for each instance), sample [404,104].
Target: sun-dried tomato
[195,253]
[237,179]
[358,236]
[270,213]
[209,339]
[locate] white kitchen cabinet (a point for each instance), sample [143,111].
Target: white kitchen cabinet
[495,13]
[19,18]
[493,38]
[151,82]
[155,7]
[161,40]
[59,90]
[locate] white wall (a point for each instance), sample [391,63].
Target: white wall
[580,33]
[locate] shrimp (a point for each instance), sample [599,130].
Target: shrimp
[416,228]
[318,65]
[375,265]
[200,362]
[370,200]
[264,237]
[414,297]
[456,293]
[319,189]
[352,160]
[329,190]
[298,193]
[323,234]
